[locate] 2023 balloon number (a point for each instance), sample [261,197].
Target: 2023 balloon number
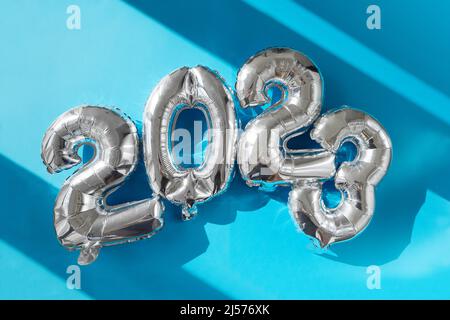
[83,220]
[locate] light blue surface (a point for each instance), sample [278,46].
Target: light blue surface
[243,244]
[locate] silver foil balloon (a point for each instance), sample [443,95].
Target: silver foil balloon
[82,217]
[265,160]
[185,88]
[356,179]
[262,157]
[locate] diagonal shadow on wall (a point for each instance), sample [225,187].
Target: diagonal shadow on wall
[147,269]
[397,39]
[236,31]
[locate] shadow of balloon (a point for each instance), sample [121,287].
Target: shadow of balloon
[147,269]
[420,140]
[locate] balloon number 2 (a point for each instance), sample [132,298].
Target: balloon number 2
[263,162]
[83,219]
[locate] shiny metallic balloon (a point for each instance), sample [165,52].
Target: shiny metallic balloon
[356,179]
[83,219]
[185,88]
[263,158]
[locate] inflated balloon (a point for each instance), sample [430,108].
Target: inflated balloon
[262,159]
[186,88]
[356,179]
[82,217]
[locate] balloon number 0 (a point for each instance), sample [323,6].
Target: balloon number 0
[84,221]
[187,88]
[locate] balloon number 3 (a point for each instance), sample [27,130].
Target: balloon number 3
[83,219]
[262,161]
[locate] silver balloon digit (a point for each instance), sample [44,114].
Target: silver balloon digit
[82,217]
[261,158]
[356,179]
[184,88]
[265,160]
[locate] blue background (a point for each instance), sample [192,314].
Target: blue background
[243,244]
